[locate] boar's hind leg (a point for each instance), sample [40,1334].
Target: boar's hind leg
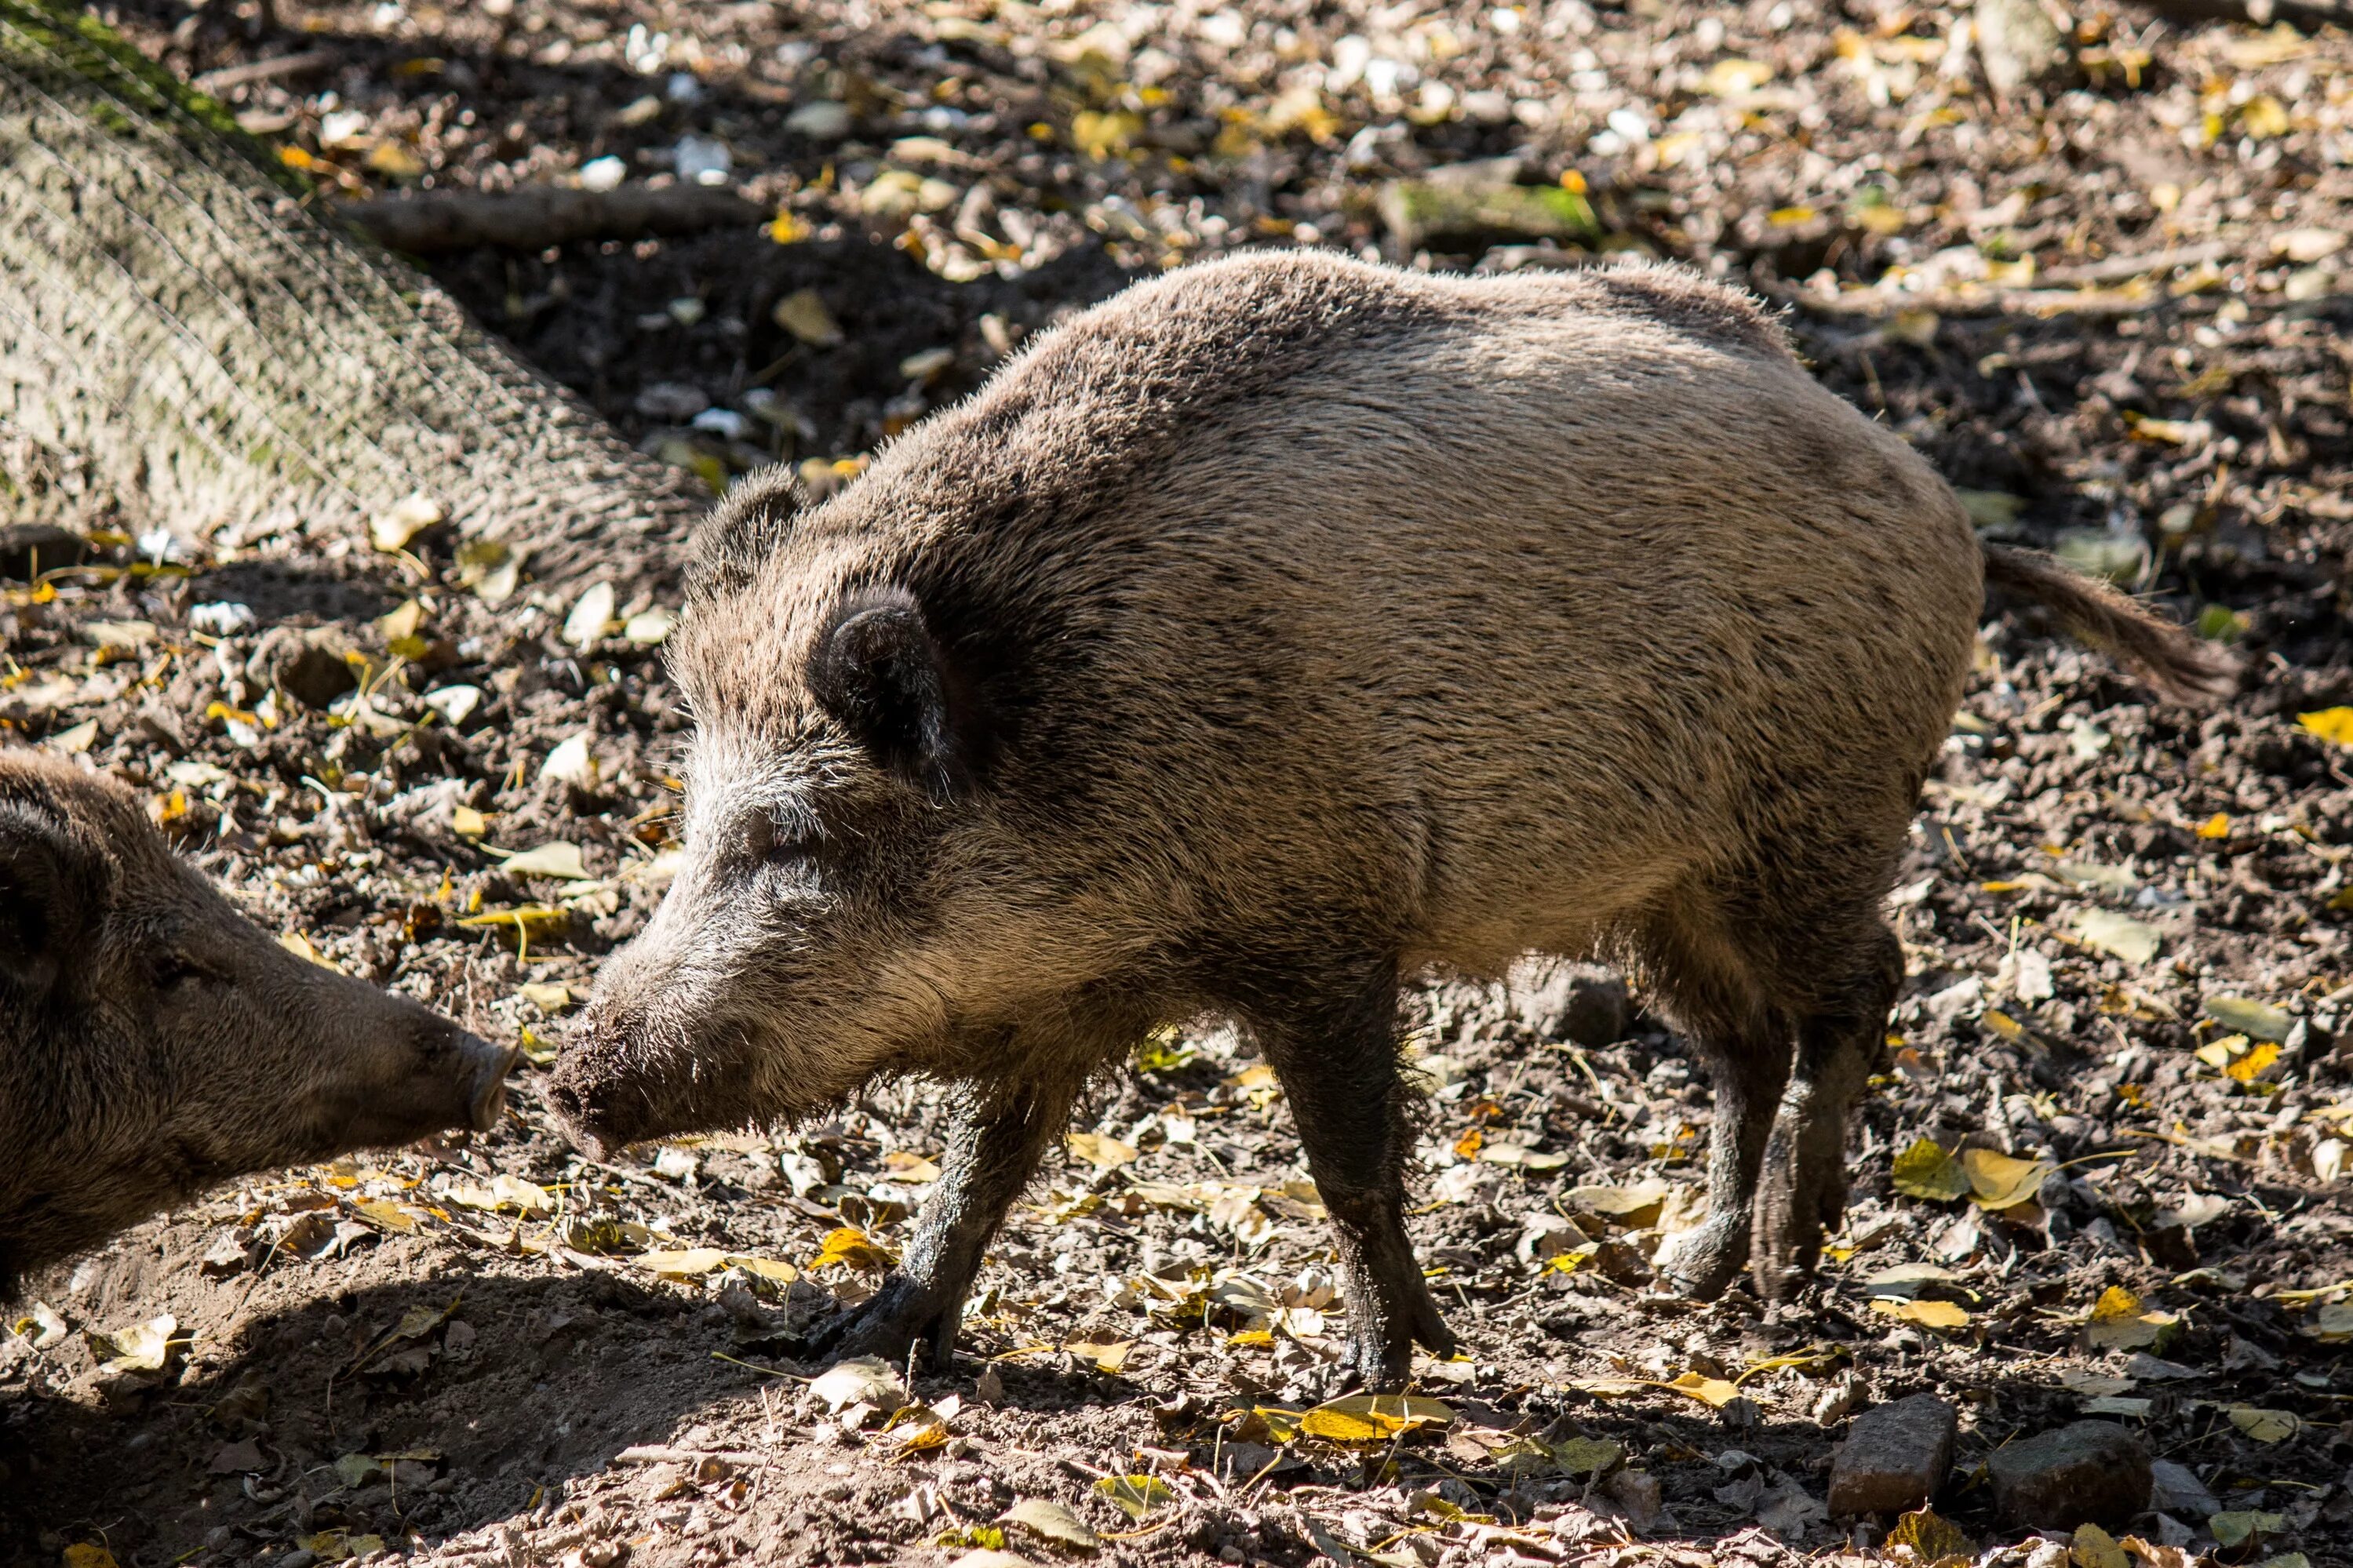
[1332,1042]
[1744,1048]
[995,1138]
[1842,1039]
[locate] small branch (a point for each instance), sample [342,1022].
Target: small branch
[2121,269]
[541,215]
[275,69]
[664,1454]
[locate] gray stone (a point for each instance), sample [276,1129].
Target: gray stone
[1895,1458]
[2177,1490]
[2091,1472]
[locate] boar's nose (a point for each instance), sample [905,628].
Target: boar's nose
[489,1064]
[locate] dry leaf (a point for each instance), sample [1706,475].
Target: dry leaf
[2120,936]
[2266,1425]
[468,823]
[393,530]
[504,1192]
[2252,1065]
[2002,1181]
[2259,1020]
[1104,1153]
[572,763]
[2236,1528]
[1053,1521]
[560,860]
[850,1248]
[1938,1315]
[584,628]
[860,1380]
[87,1554]
[1134,1496]
[804,314]
[1926,1171]
[386,1214]
[1712,1392]
[295,942]
[688,1263]
[1373,1418]
[1107,1352]
[2120,1323]
[2095,1548]
[142,1347]
[1929,1537]
[551,997]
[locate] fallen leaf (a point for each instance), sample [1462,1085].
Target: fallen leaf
[142,1347]
[1712,1391]
[861,1380]
[990,1557]
[1373,1417]
[504,1191]
[1525,1158]
[804,314]
[584,628]
[2330,724]
[2215,827]
[559,859]
[1134,1496]
[295,942]
[393,530]
[41,1325]
[2266,1425]
[386,1214]
[572,763]
[1926,1171]
[1929,1537]
[87,1554]
[1938,1315]
[2095,1548]
[2240,1526]
[1999,1181]
[686,1263]
[1053,1521]
[1104,1153]
[552,997]
[468,823]
[1107,1352]
[2259,1020]
[2254,1064]
[2120,1322]
[2119,936]
[850,1248]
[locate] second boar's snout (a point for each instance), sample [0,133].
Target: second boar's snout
[489,1064]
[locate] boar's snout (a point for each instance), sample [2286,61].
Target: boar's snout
[620,1083]
[438,1076]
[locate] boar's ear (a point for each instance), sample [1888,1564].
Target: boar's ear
[743,530]
[879,669]
[44,898]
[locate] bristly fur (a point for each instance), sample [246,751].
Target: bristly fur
[2177,666]
[1332,624]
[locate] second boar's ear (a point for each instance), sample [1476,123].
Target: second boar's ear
[879,669]
[44,903]
[744,529]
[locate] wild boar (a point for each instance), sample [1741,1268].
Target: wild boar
[1279,631]
[157,1042]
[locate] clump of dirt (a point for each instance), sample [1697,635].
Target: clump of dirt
[2110,311]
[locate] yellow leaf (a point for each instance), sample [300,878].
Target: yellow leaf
[1734,77]
[392,529]
[1789,217]
[1467,1147]
[787,229]
[2252,1066]
[89,1554]
[1929,1537]
[549,998]
[2263,117]
[468,823]
[1927,1314]
[1712,1392]
[385,1216]
[686,1263]
[2002,1024]
[2266,1425]
[1373,1418]
[2095,1548]
[2215,827]
[850,1248]
[2261,1019]
[504,1192]
[392,159]
[2330,724]
[1108,1353]
[1105,135]
[1926,1171]
[2120,1322]
[142,1347]
[2120,936]
[2001,1180]
[531,919]
[295,942]
[804,314]
[1104,1153]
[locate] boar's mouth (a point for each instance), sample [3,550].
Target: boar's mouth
[604,1113]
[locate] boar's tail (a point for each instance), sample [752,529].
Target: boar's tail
[2182,668]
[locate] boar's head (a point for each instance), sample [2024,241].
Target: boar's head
[156,1042]
[851,898]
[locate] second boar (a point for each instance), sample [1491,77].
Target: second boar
[153,1042]
[1281,631]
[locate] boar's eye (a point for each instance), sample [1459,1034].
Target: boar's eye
[787,840]
[174,971]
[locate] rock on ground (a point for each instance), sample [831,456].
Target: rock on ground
[2090,1472]
[1895,1458]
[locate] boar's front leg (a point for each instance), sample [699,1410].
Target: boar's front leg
[1333,1044]
[997,1137]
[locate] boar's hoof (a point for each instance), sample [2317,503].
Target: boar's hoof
[1701,1262]
[901,1314]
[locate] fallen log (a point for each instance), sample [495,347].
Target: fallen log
[433,221]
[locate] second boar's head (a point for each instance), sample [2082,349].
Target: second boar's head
[853,899]
[153,1041]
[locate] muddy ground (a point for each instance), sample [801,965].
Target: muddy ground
[2107,304]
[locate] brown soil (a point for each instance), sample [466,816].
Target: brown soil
[2190,417]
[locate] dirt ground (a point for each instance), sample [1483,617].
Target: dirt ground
[2109,306]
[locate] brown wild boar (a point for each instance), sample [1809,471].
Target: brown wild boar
[1283,630]
[157,1042]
